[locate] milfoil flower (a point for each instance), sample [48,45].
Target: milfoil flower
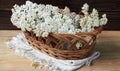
[44,19]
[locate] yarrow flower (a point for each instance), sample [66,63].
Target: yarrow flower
[44,19]
[91,20]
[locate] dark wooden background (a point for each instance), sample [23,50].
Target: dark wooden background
[110,7]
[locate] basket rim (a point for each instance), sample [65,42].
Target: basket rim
[82,33]
[95,30]
[61,53]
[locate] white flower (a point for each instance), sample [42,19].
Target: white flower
[45,34]
[29,3]
[76,20]
[44,19]
[103,20]
[79,45]
[73,15]
[89,21]
[85,8]
[96,22]
[94,13]
[66,11]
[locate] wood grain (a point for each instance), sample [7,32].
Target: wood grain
[110,7]
[108,44]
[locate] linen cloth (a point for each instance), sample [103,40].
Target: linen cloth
[21,46]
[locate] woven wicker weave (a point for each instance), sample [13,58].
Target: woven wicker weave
[65,46]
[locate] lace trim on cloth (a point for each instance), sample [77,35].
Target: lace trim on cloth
[21,46]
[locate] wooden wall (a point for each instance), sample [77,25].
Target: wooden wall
[110,7]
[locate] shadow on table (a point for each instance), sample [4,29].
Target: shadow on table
[109,48]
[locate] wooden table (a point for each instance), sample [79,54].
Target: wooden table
[108,44]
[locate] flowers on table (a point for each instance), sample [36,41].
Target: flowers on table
[44,19]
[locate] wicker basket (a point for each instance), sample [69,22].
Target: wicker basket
[65,46]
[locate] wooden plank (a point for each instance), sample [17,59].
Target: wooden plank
[107,44]
[106,5]
[110,7]
[9,33]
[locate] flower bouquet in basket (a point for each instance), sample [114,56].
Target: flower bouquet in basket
[59,33]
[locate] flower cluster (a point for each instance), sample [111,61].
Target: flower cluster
[44,19]
[89,21]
